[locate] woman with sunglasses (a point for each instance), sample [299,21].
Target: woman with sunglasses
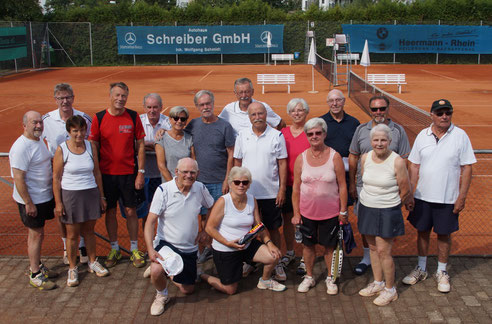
[319,197]
[232,216]
[174,144]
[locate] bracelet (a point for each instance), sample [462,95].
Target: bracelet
[343,213]
[267,242]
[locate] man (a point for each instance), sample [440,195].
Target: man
[175,206]
[236,113]
[117,133]
[439,155]
[263,151]
[30,163]
[55,133]
[213,139]
[361,144]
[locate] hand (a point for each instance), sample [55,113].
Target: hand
[104,205]
[154,255]
[296,220]
[225,187]
[139,181]
[59,210]
[235,245]
[280,198]
[31,210]
[353,191]
[344,219]
[274,251]
[410,204]
[459,205]
[159,134]
[202,238]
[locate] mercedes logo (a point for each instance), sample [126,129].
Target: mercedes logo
[264,36]
[130,38]
[382,33]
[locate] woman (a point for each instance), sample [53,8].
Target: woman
[79,196]
[319,197]
[232,216]
[175,144]
[385,186]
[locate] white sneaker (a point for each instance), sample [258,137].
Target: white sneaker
[270,284]
[280,273]
[372,289]
[65,257]
[385,297]
[415,276]
[83,255]
[287,259]
[158,304]
[73,277]
[98,269]
[331,287]
[248,269]
[146,273]
[307,283]
[442,278]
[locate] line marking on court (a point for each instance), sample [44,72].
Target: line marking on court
[440,75]
[10,108]
[5,181]
[206,75]
[166,109]
[106,76]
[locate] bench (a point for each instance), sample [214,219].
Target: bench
[287,79]
[283,57]
[397,79]
[348,57]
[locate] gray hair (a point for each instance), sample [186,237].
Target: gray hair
[155,96]
[295,102]
[63,87]
[243,81]
[201,93]
[238,172]
[186,159]
[339,92]
[383,128]
[176,110]
[315,122]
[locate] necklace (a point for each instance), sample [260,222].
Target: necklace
[317,156]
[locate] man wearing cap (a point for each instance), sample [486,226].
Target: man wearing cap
[440,154]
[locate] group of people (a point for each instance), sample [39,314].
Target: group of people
[217,176]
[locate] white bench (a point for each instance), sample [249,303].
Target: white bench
[348,57]
[283,57]
[287,79]
[397,79]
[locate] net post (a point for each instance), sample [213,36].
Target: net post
[32,46]
[90,43]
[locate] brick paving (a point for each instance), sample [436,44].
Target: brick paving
[125,297]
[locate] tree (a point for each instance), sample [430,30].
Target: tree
[23,10]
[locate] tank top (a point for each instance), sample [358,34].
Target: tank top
[320,199]
[235,223]
[78,168]
[379,186]
[175,150]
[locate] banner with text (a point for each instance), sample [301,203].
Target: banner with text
[12,43]
[200,39]
[420,38]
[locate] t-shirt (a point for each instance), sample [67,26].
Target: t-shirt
[339,134]
[151,169]
[78,169]
[295,146]
[116,136]
[210,142]
[175,150]
[34,158]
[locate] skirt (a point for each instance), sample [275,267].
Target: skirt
[382,222]
[81,205]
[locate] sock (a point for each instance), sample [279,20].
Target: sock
[366,259]
[423,262]
[82,242]
[290,253]
[441,266]
[34,274]
[133,245]
[392,290]
[378,283]
[115,246]
[64,239]
[163,292]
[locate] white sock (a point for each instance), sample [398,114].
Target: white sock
[81,242]
[115,245]
[290,253]
[64,239]
[163,292]
[423,263]
[133,245]
[441,266]
[366,259]
[378,283]
[392,290]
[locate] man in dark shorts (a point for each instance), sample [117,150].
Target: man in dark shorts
[118,135]
[439,155]
[30,163]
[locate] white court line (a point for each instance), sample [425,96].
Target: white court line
[439,75]
[166,109]
[206,75]
[106,76]
[10,108]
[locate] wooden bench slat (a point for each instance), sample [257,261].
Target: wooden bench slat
[397,79]
[287,79]
[283,57]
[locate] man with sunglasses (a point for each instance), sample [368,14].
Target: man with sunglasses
[440,154]
[361,144]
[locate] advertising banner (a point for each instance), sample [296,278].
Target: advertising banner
[12,43]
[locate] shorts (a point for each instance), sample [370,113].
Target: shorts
[116,186]
[271,215]
[215,190]
[45,212]
[287,206]
[322,232]
[81,205]
[229,265]
[151,187]
[382,222]
[426,215]
[188,275]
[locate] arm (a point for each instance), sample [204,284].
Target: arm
[192,153]
[238,162]
[20,184]
[230,164]
[281,125]
[282,173]
[159,134]
[265,236]
[402,180]
[413,174]
[140,178]
[466,177]
[149,237]
[98,177]
[149,146]
[353,159]
[57,176]
[342,186]
[161,162]
[296,191]
[214,221]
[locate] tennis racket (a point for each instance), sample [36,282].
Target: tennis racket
[337,259]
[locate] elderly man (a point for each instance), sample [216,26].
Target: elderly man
[55,133]
[236,113]
[213,139]
[361,144]
[263,151]
[117,133]
[440,154]
[30,163]
[175,206]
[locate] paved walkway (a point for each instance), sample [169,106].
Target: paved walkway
[126,296]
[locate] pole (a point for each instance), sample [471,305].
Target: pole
[177,60]
[32,46]
[134,58]
[312,80]
[15,60]
[437,54]
[90,43]
[221,55]
[394,54]
[479,53]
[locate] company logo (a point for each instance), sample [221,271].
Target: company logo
[130,38]
[382,33]
[265,35]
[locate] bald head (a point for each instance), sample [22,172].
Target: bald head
[257,116]
[33,125]
[336,102]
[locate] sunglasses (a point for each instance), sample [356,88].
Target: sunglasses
[440,113]
[378,108]
[238,182]
[183,119]
[311,134]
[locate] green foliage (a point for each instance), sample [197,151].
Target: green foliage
[21,10]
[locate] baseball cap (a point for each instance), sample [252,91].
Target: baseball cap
[172,263]
[440,104]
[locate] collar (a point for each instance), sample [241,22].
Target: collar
[429,129]
[238,110]
[174,187]
[162,119]
[267,129]
[390,124]
[330,117]
[55,114]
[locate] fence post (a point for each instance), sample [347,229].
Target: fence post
[437,54]
[90,43]
[134,57]
[176,24]
[264,55]
[394,54]
[221,55]
[479,53]
[32,46]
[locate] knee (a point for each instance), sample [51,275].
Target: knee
[187,289]
[443,238]
[157,272]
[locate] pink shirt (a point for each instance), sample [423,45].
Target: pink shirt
[319,190]
[295,146]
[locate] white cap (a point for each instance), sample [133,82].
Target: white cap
[172,263]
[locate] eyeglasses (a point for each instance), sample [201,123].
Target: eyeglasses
[379,108]
[183,119]
[64,98]
[311,134]
[238,182]
[440,113]
[330,101]
[192,173]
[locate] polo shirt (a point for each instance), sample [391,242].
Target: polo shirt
[178,213]
[55,130]
[151,169]
[260,154]
[440,164]
[339,134]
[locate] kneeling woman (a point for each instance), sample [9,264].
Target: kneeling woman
[232,216]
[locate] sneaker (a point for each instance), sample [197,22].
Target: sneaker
[415,276]
[146,273]
[385,297]
[287,259]
[248,269]
[73,277]
[280,272]
[270,284]
[65,257]
[307,283]
[331,287]
[83,255]
[41,282]
[301,269]
[138,258]
[442,278]
[199,272]
[47,272]
[112,259]
[98,269]
[372,289]
[205,255]
[160,301]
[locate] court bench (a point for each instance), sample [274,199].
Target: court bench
[287,79]
[397,79]
[283,57]
[348,57]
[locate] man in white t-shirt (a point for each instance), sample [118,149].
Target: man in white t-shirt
[440,154]
[175,208]
[236,113]
[30,163]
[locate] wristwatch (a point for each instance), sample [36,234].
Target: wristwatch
[142,171]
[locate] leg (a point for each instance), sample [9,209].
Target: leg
[215,282]
[73,232]
[327,255]
[132,222]
[423,243]
[34,241]
[386,260]
[185,289]
[309,254]
[275,236]
[264,256]
[158,276]
[443,247]
[288,229]
[87,231]
[376,261]
[63,229]
[112,224]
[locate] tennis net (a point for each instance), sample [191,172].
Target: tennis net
[325,67]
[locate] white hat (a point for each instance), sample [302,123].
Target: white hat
[172,263]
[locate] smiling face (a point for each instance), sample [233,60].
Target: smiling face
[257,116]
[316,136]
[153,109]
[335,101]
[179,122]
[64,101]
[239,185]
[380,142]
[33,125]
[244,93]
[186,172]
[205,106]
[441,118]
[78,134]
[118,98]
[298,115]
[379,111]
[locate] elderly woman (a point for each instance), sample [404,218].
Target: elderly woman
[174,144]
[232,216]
[79,196]
[385,186]
[319,197]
